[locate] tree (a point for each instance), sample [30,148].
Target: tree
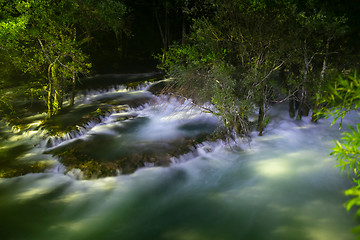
[316,31]
[45,38]
[277,50]
[243,37]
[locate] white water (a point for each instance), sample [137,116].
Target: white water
[281,186]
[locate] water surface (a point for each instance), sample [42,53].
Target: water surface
[279,186]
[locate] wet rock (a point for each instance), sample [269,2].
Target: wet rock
[127,160]
[20,169]
[161,87]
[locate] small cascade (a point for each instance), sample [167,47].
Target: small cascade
[88,96]
[169,118]
[54,141]
[281,186]
[115,112]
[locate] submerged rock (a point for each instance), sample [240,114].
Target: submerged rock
[117,131]
[72,118]
[20,169]
[128,158]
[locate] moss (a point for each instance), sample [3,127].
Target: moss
[138,83]
[80,156]
[69,120]
[23,169]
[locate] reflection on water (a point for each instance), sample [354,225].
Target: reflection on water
[280,186]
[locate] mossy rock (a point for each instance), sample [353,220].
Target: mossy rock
[69,120]
[80,156]
[22,169]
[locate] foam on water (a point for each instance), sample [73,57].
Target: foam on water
[280,186]
[167,116]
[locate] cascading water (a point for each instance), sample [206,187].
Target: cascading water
[279,186]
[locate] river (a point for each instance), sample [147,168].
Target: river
[282,185]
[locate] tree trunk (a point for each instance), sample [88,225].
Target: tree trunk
[302,105]
[167,28]
[164,33]
[291,107]
[303,108]
[262,111]
[322,76]
[49,101]
[58,98]
[261,118]
[72,100]
[50,90]
[55,92]
[183,29]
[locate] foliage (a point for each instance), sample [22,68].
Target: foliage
[340,98]
[45,38]
[347,152]
[251,42]
[196,66]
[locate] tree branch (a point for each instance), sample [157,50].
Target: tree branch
[43,50]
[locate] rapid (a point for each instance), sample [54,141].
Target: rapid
[282,185]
